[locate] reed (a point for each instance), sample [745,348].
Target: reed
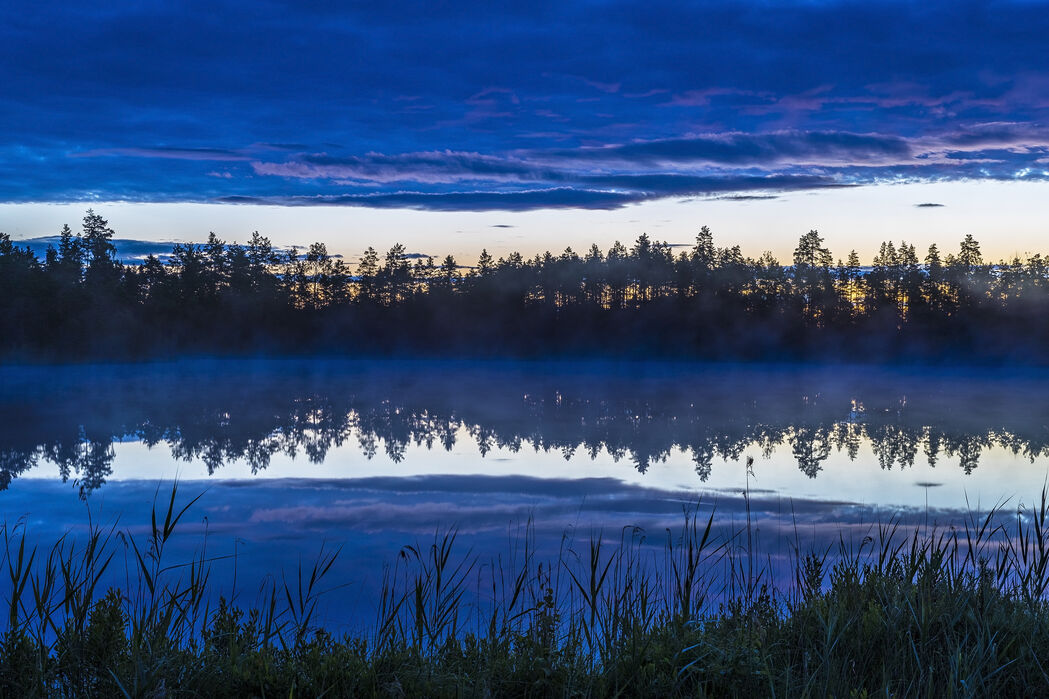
[692,612]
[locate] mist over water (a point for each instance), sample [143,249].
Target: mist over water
[370,456]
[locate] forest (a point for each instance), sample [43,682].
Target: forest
[644,301]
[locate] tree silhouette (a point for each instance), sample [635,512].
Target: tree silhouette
[636,301]
[102,268]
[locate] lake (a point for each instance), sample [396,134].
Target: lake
[291,457]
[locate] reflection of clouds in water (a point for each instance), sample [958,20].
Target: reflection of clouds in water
[377,517]
[281,522]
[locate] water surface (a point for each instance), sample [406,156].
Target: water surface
[369,456]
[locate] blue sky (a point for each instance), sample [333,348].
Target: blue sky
[510,108]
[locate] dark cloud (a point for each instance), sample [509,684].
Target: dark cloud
[607,192]
[764,150]
[995,134]
[210,154]
[657,186]
[928,205]
[747,197]
[430,167]
[1009,156]
[561,198]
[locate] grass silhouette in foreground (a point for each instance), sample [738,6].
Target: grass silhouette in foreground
[79,302]
[959,612]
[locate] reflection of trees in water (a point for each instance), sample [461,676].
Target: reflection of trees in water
[892,445]
[13,462]
[217,428]
[704,463]
[811,447]
[87,459]
[846,437]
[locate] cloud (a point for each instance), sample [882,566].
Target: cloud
[527,200]
[984,135]
[630,173]
[208,154]
[928,205]
[658,186]
[383,516]
[589,192]
[494,106]
[753,149]
[426,167]
[443,167]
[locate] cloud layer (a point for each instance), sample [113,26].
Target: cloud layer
[520,106]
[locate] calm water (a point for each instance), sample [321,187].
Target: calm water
[369,456]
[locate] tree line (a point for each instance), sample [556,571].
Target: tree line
[705,302]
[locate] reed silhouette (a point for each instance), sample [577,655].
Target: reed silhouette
[957,612]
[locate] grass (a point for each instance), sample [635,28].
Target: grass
[955,612]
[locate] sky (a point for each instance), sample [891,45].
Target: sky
[529,125]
